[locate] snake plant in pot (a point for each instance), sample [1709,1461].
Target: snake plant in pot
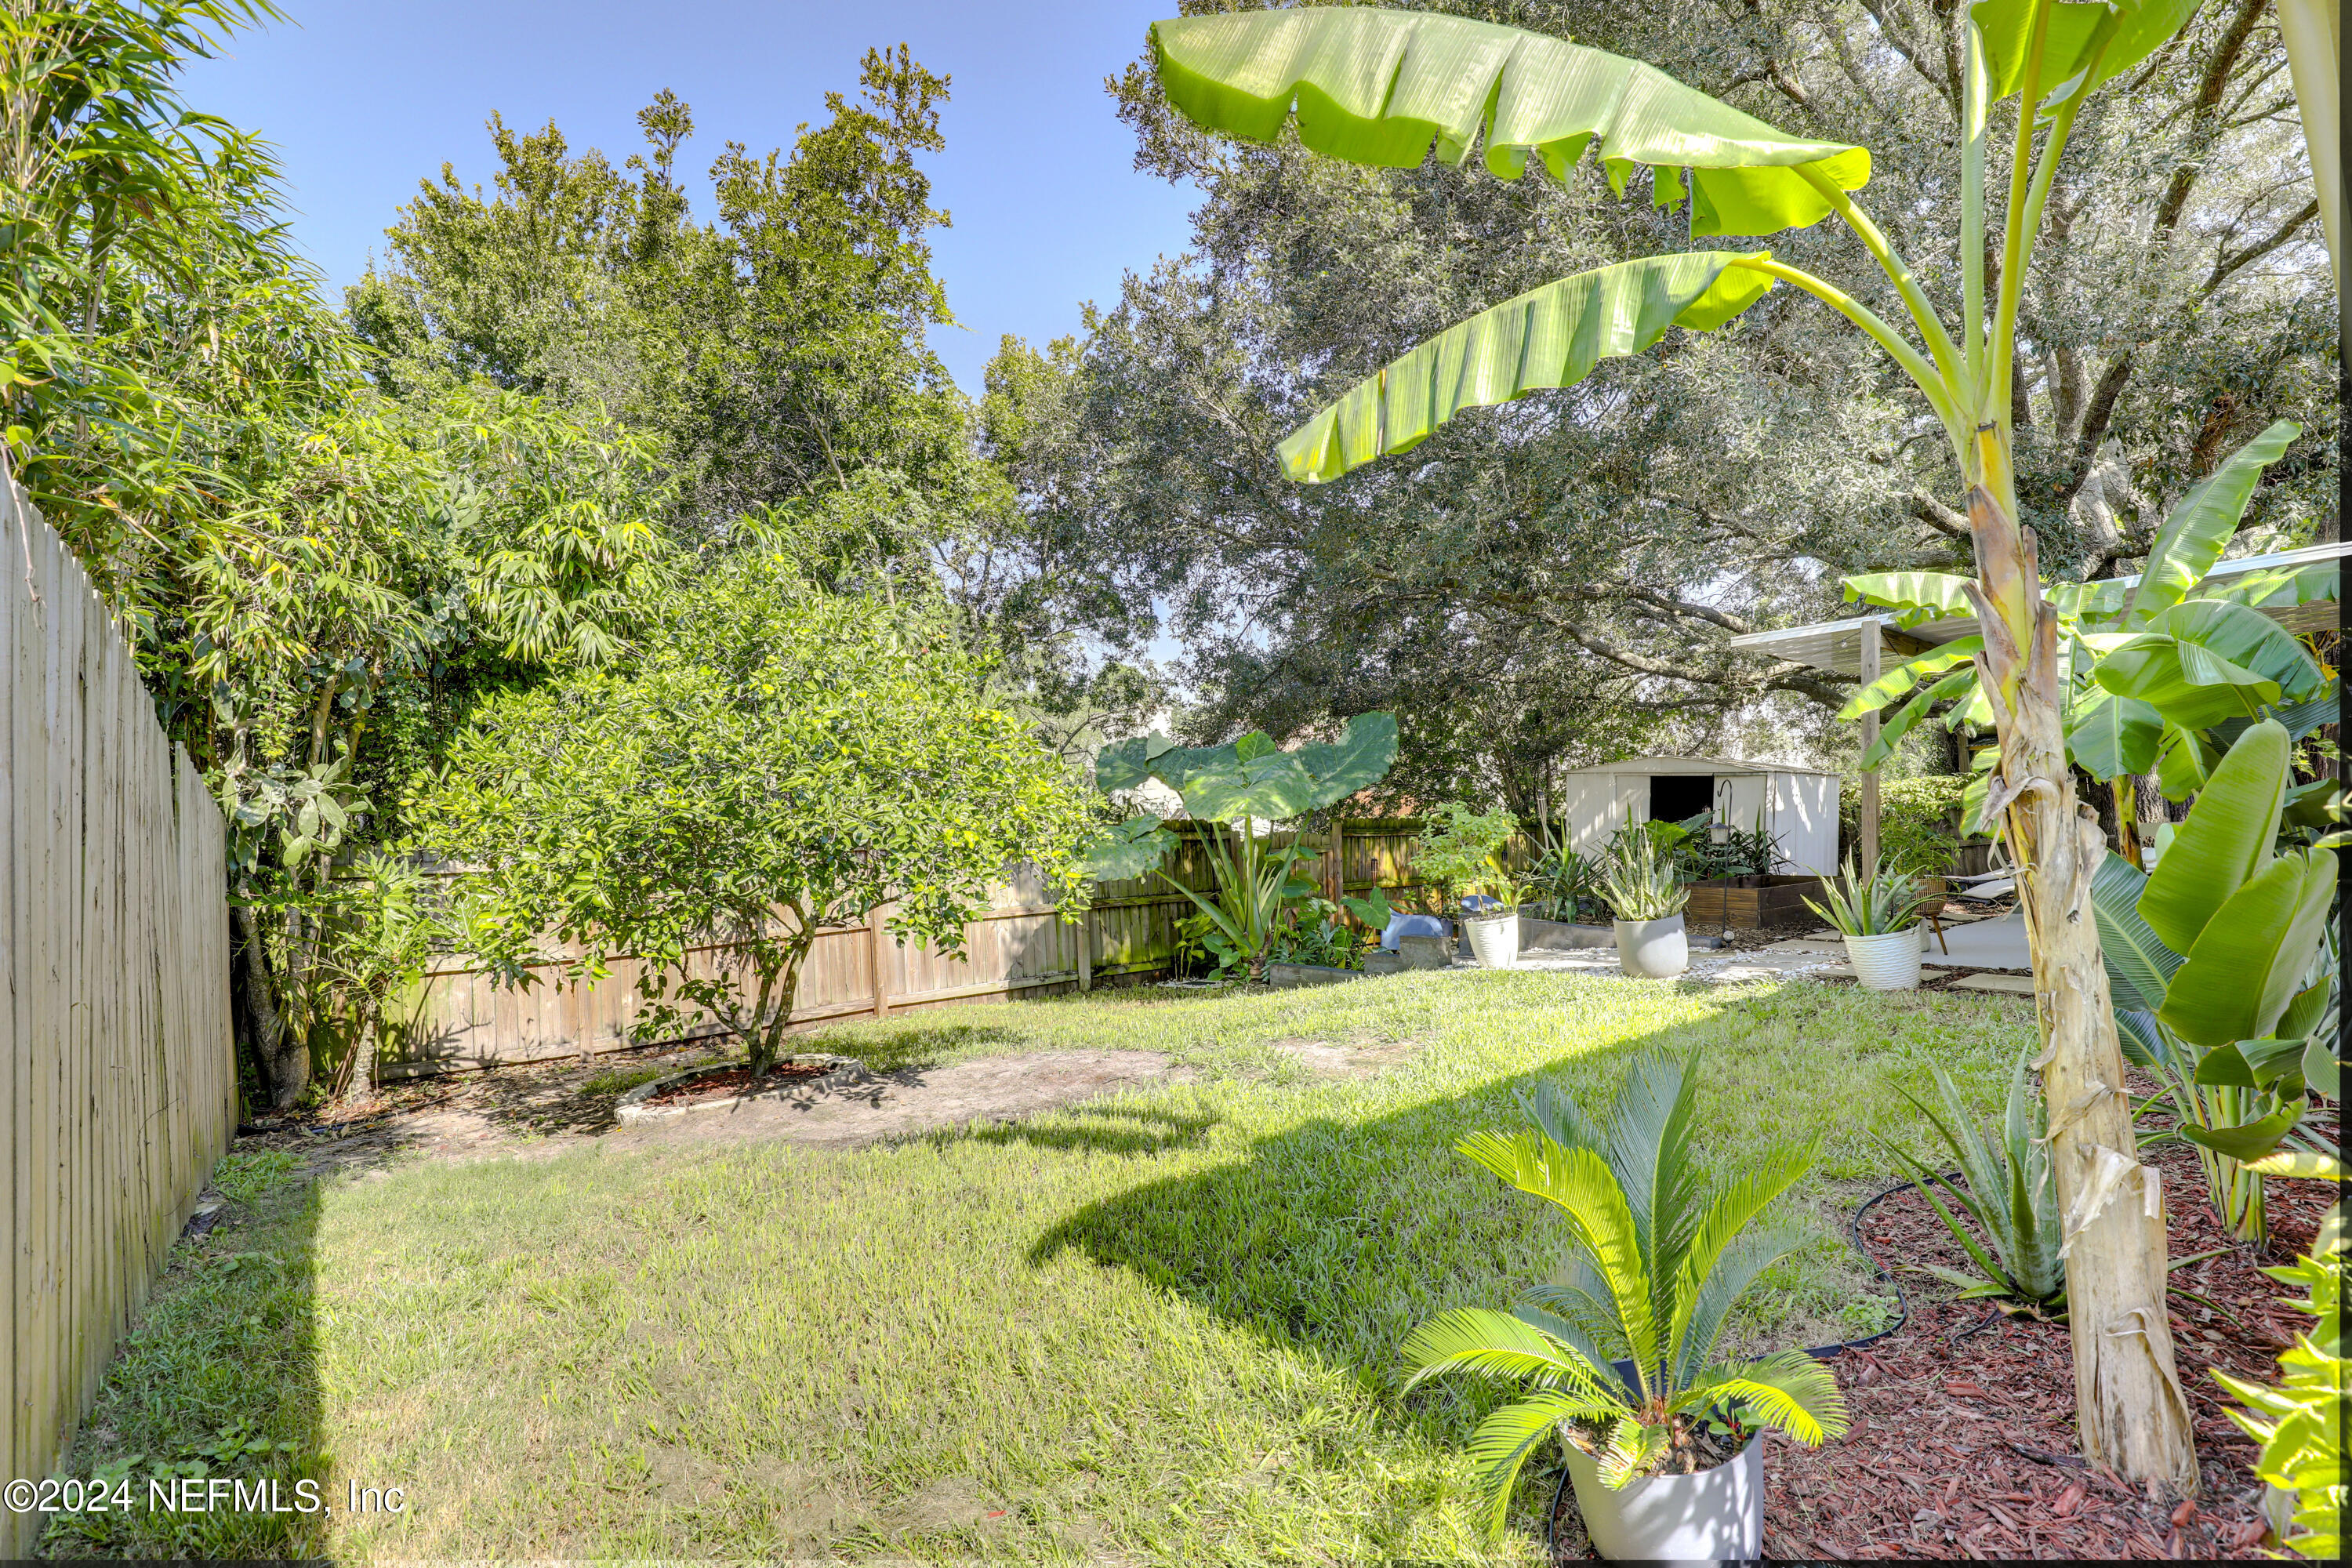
[1878,912]
[1639,883]
[1617,1352]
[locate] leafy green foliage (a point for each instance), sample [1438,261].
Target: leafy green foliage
[1654,1262]
[2010,1194]
[1547,338]
[2300,1421]
[779,762]
[1461,851]
[2223,966]
[1227,790]
[1918,820]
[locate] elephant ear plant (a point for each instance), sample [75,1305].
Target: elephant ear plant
[1654,1261]
[1228,790]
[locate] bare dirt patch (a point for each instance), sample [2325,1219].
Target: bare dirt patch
[546,1110]
[1359,1057]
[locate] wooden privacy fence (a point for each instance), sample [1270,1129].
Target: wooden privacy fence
[120,1084]
[1021,947]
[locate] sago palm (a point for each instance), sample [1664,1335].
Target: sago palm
[1655,1261]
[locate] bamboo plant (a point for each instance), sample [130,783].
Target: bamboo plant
[1385,88]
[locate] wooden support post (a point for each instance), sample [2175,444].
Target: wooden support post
[1866,811]
[1335,864]
[881,945]
[1084,934]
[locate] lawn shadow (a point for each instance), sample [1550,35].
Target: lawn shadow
[1338,1238]
[1117,1127]
[218,1378]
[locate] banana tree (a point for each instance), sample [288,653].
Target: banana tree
[2219,960]
[2153,667]
[1385,88]
[1230,789]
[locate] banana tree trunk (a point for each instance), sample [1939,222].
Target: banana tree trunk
[2130,1409]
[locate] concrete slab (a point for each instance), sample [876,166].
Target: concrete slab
[2004,985]
[1806,945]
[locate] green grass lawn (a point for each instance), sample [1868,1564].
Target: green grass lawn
[1160,1326]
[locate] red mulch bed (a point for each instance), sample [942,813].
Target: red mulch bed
[733,1081]
[1962,1443]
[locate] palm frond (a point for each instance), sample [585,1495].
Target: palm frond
[1632,1451]
[1499,1447]
[1732,1210]
[1788,1389]
[1649,1133]
[1479,1340]
[1735,1269]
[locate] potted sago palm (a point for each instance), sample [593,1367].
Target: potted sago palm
[1642,892]
[1878,912]
[1461,850]
[1616,1354]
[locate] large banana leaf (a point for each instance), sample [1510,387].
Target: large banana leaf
[2109,735]
[1909,674]
[1919,596]
[1548,337]
[2280,587]
[2224,843]
[1959,683]
[2250,960]
[2139,965]
[2183,761]
[2141,28]
[2201,662]
[2201,526]
[1378,87]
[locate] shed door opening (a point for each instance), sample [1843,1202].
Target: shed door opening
[1678,797]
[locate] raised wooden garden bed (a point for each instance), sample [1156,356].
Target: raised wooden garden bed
[1753,902]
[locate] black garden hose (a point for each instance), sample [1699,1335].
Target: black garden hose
[1818,1353]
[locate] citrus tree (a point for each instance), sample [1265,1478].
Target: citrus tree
[780,761]
[1387,87]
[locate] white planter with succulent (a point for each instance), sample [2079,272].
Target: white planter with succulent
[1617,1355]
[1638,881]
[1878,912]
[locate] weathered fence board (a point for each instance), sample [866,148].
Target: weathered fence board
[116,1063]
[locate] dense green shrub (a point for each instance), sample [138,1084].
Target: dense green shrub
[1918,821]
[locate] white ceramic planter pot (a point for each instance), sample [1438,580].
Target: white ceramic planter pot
[1714,1516]
[1655,949]
[1889,963]
[1494,939]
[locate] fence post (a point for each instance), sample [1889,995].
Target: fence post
[881,943]
[1337,863]
[1084,934]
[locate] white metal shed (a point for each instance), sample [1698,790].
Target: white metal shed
[1799,807]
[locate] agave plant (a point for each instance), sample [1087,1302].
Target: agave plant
[1655,1262]
[1872,902]
[2011,1194]
[1638,880]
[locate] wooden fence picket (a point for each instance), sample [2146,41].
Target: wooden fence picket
[116,1062]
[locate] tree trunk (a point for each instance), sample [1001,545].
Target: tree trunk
[285,1062]
[2130,1409]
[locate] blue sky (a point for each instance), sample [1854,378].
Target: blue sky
[364,98]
